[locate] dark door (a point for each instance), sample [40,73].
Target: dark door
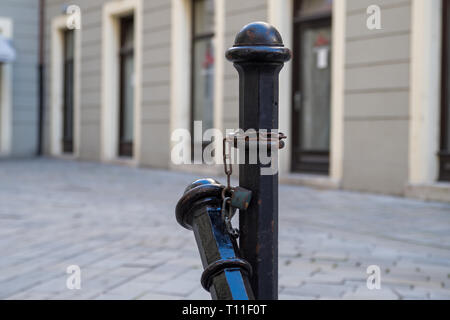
[126,112]
[311,92]
[444,153]
[68,98]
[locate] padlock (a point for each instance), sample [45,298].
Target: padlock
[240,198]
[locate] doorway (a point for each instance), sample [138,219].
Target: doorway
[126,107]
[68,91]
[311,86]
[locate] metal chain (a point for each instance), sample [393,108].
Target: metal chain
[274,139]
[264,137]
[234,138]
[226,200]
[228,167]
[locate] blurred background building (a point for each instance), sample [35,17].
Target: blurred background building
[364,108]
[19,46]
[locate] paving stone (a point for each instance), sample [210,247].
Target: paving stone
[177,286]
[326,277]
[30,296]
[316,290]
[283,296]
[131,290]
[158,296]
[164,273]
[199,294]
[412,293]
[440,294]
[329,255]
[127,272]
[365,294]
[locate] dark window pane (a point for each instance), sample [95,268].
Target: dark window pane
[68,84]
[203,63]
[446,112]
[316,80]
[312,7]
[69,44]
[444,154]
[203,82]
[203,16]
[126,117]
[128,34]
[128,98]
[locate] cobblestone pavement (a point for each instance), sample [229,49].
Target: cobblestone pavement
[117,224]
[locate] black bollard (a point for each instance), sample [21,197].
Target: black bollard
[226,275]
[259,54]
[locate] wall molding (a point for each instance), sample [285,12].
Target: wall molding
[180,76]
[112,11]
[425,82]
[6,94]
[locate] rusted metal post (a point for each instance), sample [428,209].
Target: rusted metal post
[226,275]
[259,54]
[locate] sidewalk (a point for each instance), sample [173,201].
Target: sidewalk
[118,224]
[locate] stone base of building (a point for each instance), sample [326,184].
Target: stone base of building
[429,192]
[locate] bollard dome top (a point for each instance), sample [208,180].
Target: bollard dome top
[258,34]
[258,41]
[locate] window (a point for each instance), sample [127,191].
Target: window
[68,94]
[444,154]
[311,86]
[1,104]
[126,109]
[202,96]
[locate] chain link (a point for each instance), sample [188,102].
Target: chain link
[226,193]
[228,167]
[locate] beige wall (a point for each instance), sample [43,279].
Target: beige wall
[376,102]
[237,14]
[156,84]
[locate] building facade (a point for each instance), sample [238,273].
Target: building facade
[19,24]
[363,101]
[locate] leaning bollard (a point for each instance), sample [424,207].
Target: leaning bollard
[226,275]
[259,54]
